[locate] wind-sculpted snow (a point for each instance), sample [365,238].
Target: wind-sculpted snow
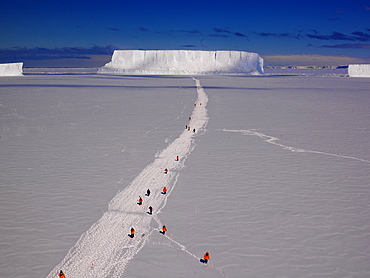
[12,69]
[359,70]
[184,62]
[105,249]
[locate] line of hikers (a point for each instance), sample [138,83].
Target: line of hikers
[206,256]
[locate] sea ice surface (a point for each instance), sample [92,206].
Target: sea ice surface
[274,182]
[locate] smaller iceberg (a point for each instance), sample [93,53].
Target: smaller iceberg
[359,70]
[183,62]
[11,69]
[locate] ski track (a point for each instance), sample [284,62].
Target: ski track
[105,249]
[273,140]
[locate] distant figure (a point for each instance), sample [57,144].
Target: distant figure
[132,234]
[140,201]
[61,274]
[189,118]
[194,130]
[188,128]
[166,171]
[177,158]
[200,103]
[195,104]
[164,230]
[206,257]
[150,210]
[164,191]
[148,192]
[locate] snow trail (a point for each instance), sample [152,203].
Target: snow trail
[273,140]
[106,248]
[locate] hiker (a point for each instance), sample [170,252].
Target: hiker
[61,274]
[166,171]
[150,210]
[140,201]
[164,229]
[188,128]
[148,192]
[177,158]
[164,191]
[132,232]
[189,118]
[194,130]
[206,257]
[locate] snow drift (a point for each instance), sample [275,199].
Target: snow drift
[183,62]
[12,69]
[359,70]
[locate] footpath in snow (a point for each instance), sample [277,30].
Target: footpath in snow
[106,248]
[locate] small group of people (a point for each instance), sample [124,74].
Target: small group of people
[140,202]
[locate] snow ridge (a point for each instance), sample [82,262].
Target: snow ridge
[105,249]
[273,140]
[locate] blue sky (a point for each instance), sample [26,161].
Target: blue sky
[45,30]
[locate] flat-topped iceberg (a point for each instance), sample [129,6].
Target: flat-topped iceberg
[183,62]
[359,70]
[11,69]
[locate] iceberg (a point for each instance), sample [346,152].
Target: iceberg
[359,70]
[11,69]
[183,62]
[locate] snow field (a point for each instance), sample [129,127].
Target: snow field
[277,186]
[105,249]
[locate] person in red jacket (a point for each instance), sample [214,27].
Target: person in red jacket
[140,201]
[61,274]
[166,171]
[164,191]
[206,257]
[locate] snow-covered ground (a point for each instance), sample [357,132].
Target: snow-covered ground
[273,183]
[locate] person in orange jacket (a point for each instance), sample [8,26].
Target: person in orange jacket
[206,257]
[164,229]
[132,232]
[164,191]
[61,274]
[166,171]
[140,201]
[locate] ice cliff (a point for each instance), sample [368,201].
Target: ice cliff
[361,70]
[12,69]
[183,62]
